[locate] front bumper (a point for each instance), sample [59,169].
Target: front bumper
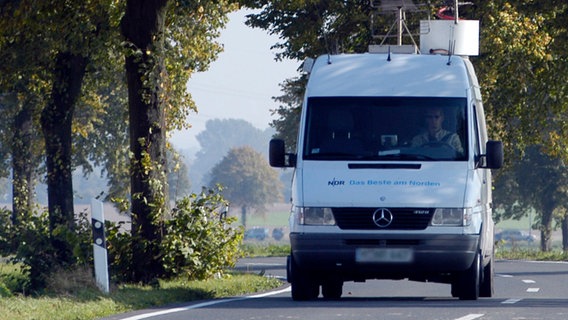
[433,257]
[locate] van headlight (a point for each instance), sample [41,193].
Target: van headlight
[458,217]
[315,216]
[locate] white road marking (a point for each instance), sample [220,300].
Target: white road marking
[511,301]
[504,275]
[529,281]
[533,289]
[206,304]
[471,316]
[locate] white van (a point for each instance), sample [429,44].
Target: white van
[391,176]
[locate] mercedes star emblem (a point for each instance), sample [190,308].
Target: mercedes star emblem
[382,217]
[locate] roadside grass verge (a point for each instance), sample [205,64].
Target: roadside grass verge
[80,299]
[85,301]
[251,250]
[530,254]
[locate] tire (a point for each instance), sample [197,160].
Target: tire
[332,289]
[467,284]
[303,285]
[487,287]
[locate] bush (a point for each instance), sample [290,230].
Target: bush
[200,241]
[8,245]
[4,291]
[12,279]
[30,243]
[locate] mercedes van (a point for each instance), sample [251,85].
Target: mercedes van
[392,175]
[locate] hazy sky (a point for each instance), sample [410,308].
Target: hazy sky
[240,83]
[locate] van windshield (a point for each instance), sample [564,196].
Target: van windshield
[379,128]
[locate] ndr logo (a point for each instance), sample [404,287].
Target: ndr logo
[335,182]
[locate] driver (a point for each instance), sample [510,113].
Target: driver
[435,134]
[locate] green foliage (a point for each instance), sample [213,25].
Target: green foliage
[249,181]
[520,70]
[34,34]
[312,28]
[531,255]
[219,136]
[4,291]
[119,248]
[200,241]
[536,182]
[289,111]
[191,30]
[178,176]
[260,250]
[90,303]
[32,245]
[8,242]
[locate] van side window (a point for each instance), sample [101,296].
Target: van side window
[476,146]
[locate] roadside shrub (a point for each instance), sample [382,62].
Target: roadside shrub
[200,240]
[119,248]
[8,244]
[30,243]
[4,291]
[12,279]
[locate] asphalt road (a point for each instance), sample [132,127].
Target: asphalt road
[524,290]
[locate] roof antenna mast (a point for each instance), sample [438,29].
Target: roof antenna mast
[452,44]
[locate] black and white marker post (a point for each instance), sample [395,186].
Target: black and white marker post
[99,245]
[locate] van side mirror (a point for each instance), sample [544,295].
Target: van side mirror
[493,154]
[277,156]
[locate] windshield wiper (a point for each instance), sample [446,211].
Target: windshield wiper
[404,156]
[333,156]
[360,157]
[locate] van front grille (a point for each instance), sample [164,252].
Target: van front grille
[402,218]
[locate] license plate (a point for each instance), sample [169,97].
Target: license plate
[369,255]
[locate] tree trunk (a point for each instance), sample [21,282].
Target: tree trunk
[23,164]
[244,216]
[546,229]
[56,120]
[565,233]
[143,29]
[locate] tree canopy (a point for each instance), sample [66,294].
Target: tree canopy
[63,77]
[537,182]
[523,55]
[248,181]
[219,136]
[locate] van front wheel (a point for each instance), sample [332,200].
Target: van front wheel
[487,285]
[303,286]
[466,284]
